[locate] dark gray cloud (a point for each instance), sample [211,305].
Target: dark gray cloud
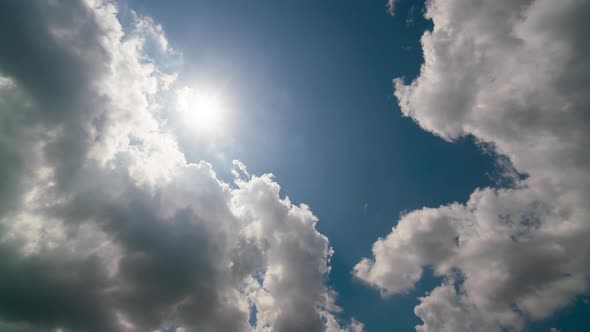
[49,61]
[54,54]
[46,291]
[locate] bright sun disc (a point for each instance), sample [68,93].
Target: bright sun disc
[201,109]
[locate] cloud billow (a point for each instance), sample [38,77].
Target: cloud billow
[104,225]
[515,75]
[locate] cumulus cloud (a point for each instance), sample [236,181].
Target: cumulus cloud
[104,226]
[515,75]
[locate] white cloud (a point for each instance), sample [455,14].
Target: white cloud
[105,226]
[391,4]
[513,74]
[445,310]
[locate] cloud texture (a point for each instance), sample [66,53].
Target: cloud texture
[516,75]
[104,226]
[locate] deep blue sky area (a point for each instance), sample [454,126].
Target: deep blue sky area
[311,83]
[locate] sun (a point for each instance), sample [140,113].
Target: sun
[205,110]
[201,109]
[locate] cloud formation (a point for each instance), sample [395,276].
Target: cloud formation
[515,75]
[104,226]
[391,4]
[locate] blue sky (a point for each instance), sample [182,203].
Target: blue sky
[322,90]
[315,78]
[114,216]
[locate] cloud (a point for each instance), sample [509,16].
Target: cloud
[105,226]
[391,4]
[513,74]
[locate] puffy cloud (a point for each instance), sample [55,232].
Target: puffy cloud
[421,238]
[104,225]
[444,310]
[515,75]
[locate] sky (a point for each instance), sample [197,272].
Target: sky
[338,166]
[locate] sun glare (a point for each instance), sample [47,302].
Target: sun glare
[203,110]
